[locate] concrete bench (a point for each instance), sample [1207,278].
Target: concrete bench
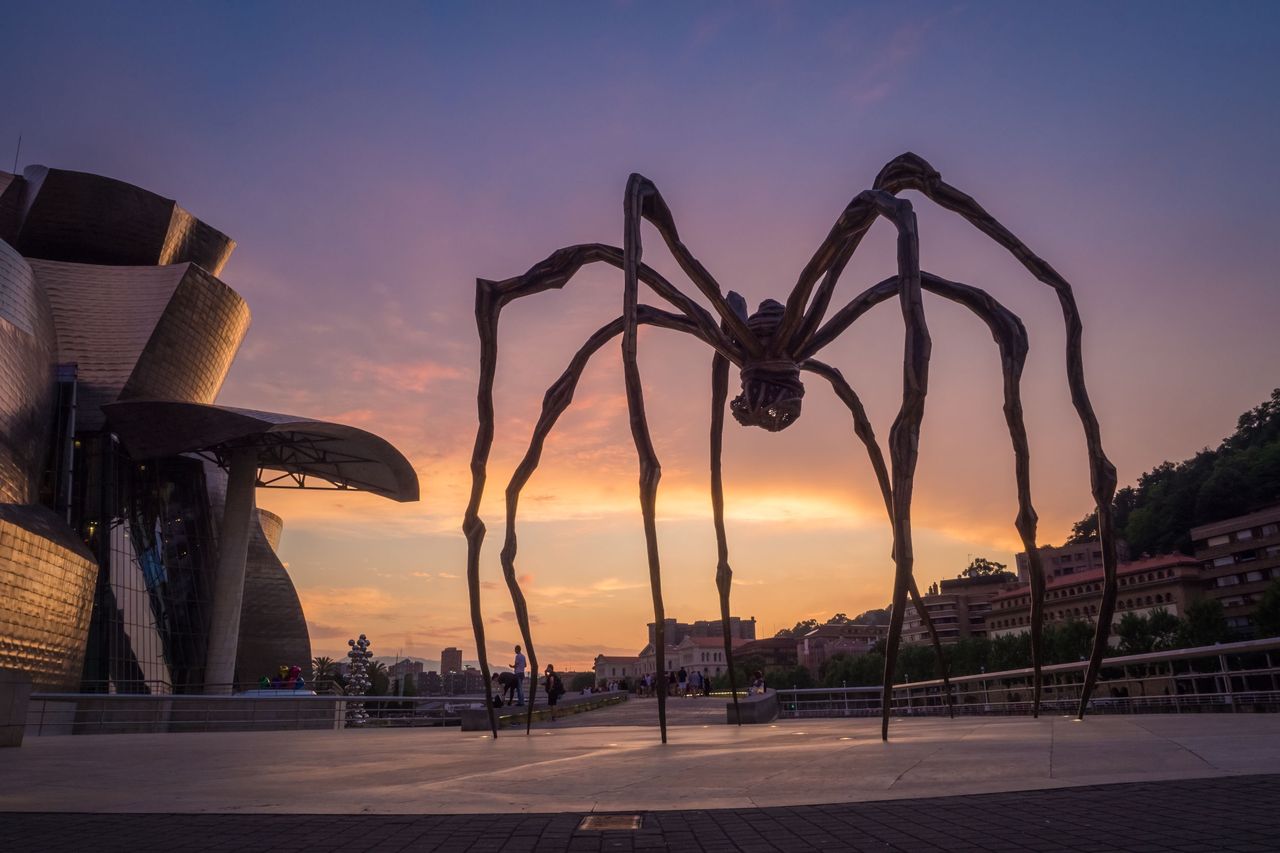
[761,708]
[477,719]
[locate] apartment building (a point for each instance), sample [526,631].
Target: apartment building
[1239,558]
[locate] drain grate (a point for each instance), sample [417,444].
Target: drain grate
[605,822]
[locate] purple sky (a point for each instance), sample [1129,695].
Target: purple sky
[371,165]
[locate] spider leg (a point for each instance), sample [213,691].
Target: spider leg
[904,435]
[1011,337]
[910,171]
[554,403]
[491,297]
[642,197]
[863,429]
[654,208]
[724,574]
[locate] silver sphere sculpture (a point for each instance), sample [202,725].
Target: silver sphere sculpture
[358,683]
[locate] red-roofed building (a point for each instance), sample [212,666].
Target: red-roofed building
[832,639]
[773,651]
[1168,582]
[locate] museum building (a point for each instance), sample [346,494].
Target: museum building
[133,557]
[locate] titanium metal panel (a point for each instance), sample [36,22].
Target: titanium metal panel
[142,331]
[46,594]
[90,219]
[27,346]
[273,629]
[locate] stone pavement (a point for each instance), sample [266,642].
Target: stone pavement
[681,711]
[620,768]
[1223,815]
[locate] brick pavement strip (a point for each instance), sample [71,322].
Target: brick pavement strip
[1234,814]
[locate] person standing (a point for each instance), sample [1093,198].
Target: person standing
[682,679]
[554,687]
[518,666]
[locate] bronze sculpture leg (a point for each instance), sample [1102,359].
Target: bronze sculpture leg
[1011,337]
[863,429]
[912,172]
[491,296]
[724,574]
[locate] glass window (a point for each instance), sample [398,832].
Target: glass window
[1243,535]
[1227,580]
[1215,541]
[1251,577]
[1269,529]
[1228,560]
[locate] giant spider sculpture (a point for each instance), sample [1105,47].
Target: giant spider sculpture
[771,348]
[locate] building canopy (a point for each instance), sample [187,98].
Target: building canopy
[298,450]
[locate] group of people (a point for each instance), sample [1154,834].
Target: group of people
[677,683]
[511,684]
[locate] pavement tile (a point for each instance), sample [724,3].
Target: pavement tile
[1237,814]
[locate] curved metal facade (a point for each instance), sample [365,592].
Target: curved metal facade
[27,344]
[193,343]
[273,629]
[46,591]
[110,298]
[90,219]
[150,332]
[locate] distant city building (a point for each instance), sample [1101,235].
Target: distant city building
[1239,558]
[1068,559]
[958,609]
[826,641]
[700,653]
[1170,583]
[616,667]
[739,629]
[450,660]
[772,651]
[406,668]
[430,684]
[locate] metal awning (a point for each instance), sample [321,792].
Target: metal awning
[292,451]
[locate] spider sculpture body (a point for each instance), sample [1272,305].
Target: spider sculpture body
[772,348]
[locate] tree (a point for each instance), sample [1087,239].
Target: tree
[1166,629]
[323,672]
[981,567]
[801,628]
[1267,616]
[1241,474]
[1205,624]
[878,616]
[1135,635]
[379,681]
[582,681]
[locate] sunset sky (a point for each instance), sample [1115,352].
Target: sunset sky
[372,161]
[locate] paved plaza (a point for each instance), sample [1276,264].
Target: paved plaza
[573,767]
[1135,783]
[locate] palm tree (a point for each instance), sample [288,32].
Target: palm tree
[379,680]
[323,672]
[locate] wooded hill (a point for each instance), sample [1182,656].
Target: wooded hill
[1239,476]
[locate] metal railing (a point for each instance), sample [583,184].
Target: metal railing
[121,713]
[1227,677]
